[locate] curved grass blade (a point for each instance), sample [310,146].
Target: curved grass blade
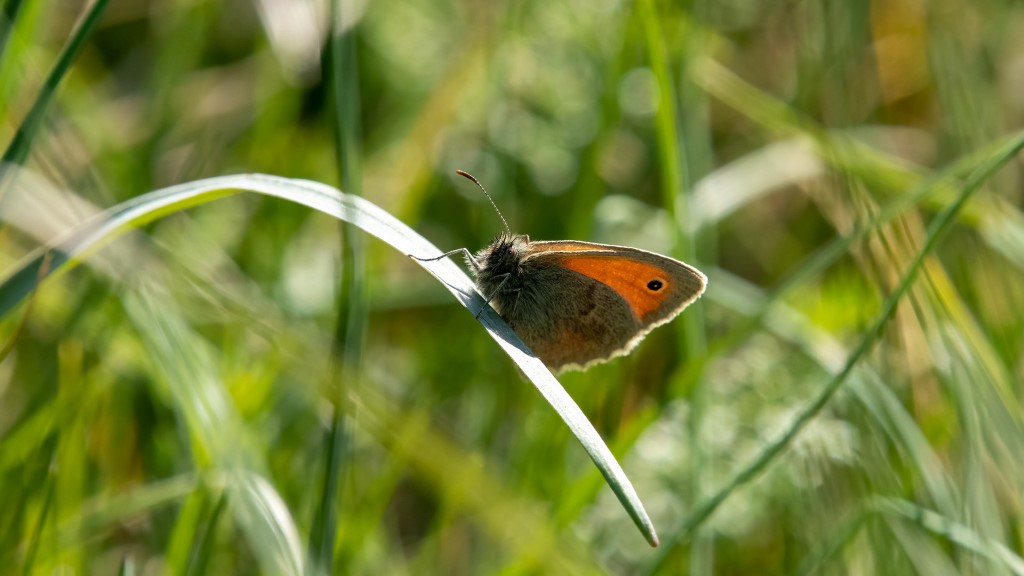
[371,219]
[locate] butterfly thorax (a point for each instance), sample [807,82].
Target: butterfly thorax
[499,269]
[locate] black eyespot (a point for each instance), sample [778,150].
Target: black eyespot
[654,285]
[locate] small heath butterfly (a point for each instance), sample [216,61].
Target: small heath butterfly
[576,304]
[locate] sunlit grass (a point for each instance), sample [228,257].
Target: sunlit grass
[229,389]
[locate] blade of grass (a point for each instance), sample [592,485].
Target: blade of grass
[191,515]
[32,546]
[44,267]
[954,532]
[922,554]
[71,459]
[7,20]
[350,328]
[199,559]
[103,511]
[677,166]
[896,509]
[127,566]
[936,231]
[365,215]
[983,164]
[834,545]
[18,149]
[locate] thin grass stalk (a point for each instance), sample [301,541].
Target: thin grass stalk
[695,141]
[7,20]
[678,182]
[17,151]
[897,509]
[127,566]
[963,536]
[846,533]
[101,512]
[27,312]
[199,559]
[350,328]
[50,489]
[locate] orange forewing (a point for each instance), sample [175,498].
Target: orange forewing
[628,277]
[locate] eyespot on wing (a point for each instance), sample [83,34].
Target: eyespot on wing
[653,289]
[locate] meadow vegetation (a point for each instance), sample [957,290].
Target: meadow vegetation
[240,384]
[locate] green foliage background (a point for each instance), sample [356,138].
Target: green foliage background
[247,386]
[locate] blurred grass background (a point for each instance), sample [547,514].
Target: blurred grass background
[160,403]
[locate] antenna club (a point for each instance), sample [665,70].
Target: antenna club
[465,174]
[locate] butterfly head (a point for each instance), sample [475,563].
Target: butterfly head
[504,255]
[499,265]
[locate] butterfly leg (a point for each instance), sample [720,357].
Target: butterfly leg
[469,257]
[504,279]
[442,256]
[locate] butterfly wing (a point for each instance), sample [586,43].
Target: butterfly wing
[595,302]
[656,287]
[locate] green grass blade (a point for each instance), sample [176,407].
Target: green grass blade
[678,178]
[350,327]
[956,533]
[895,509]
[199,559]
[843,536]
[127,566]
[375,221]
[18,149]
[7,20]
[105,510]
[32,546]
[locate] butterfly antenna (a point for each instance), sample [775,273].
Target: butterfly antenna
[481,186]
